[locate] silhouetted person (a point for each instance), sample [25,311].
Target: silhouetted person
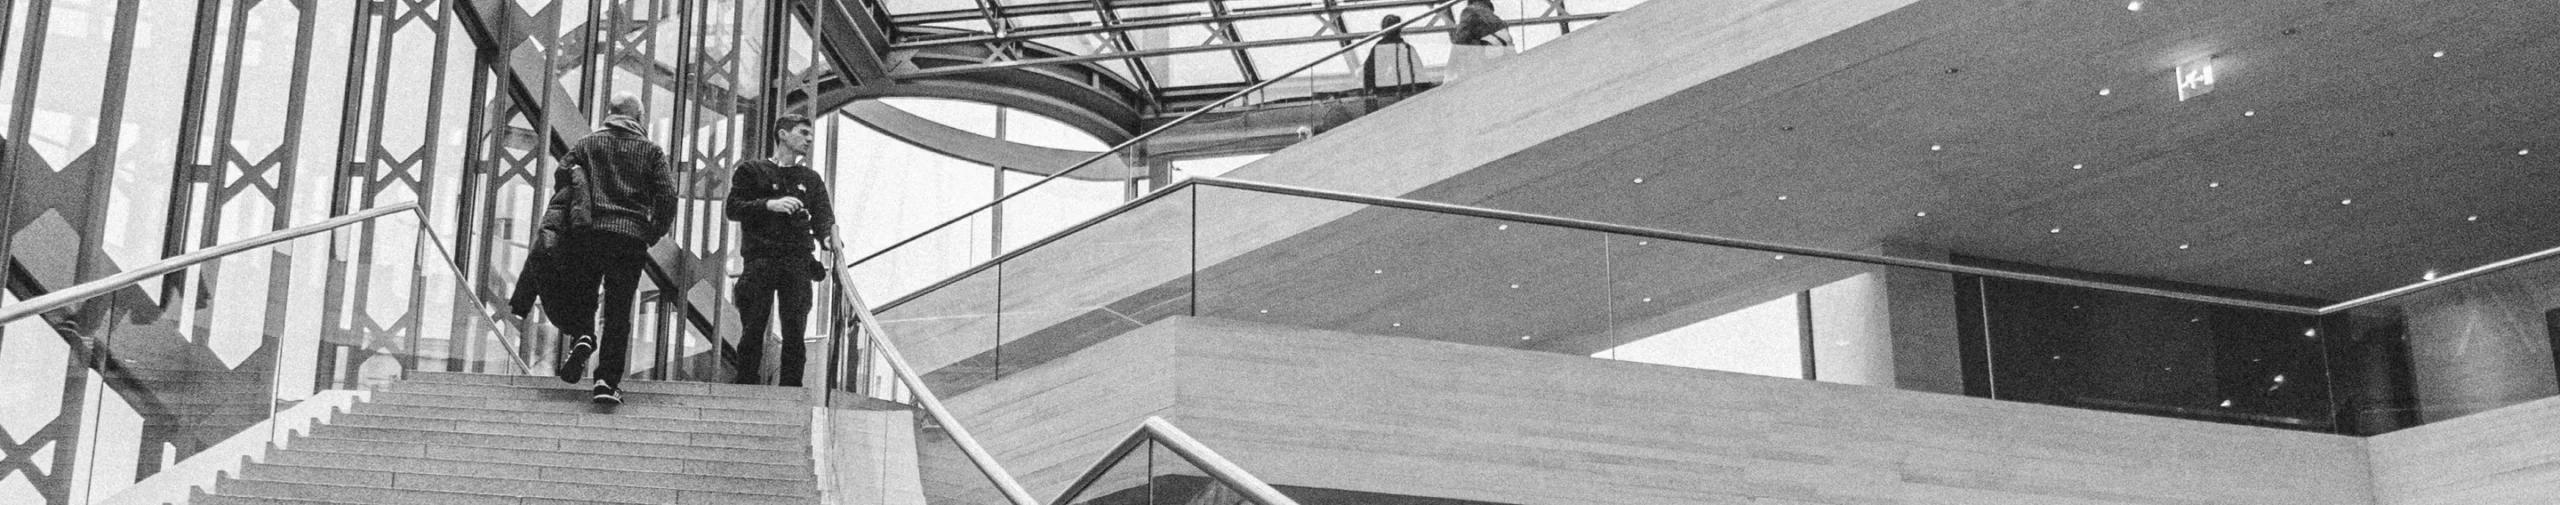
[783,213]
[1479,38]
[613,199]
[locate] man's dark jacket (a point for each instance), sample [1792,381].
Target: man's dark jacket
[614,181]
[764,233]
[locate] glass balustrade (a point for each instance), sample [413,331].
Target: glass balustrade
[234,353]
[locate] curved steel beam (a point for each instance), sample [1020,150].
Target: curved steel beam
[962,144]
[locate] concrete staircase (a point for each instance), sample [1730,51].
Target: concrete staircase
[466,439]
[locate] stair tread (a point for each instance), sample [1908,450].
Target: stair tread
[509,428]
[562,392]
[361,495]
[580,406]
[644,386]
[380,462]
[564,418]
[765,487]
[425,449]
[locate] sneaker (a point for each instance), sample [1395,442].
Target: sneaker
[574,368]
[608,395]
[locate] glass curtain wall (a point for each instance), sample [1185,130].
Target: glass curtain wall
[890,190]
[136,130]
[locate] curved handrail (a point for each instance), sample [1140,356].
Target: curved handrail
[932,404]
[1159,129]
[1190,449]
[121,280]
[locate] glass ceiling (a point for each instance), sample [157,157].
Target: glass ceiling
[1206,44]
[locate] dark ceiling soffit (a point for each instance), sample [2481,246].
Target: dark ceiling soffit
[962,144]
[1034,62]
[1141,25]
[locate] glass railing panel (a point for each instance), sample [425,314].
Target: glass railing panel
[1329,265]
[2463,347]
[1127,479]
[946,474]
[2071,346]
[948,334]
[1093,283]
[249,345]
[928,258]
[1175,481]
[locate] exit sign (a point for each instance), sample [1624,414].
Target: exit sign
[2195,78]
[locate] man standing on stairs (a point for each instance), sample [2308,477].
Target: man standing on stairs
[614,197]
[783,211]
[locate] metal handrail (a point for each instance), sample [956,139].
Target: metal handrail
[925,398]
[1704,239]
[111,283]
[1191,450]
[1151,133]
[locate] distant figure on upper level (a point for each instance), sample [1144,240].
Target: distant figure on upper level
[1393,68]
[614,197]
[1479,38]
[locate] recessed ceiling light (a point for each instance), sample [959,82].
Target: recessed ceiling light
[1782,198]
[2249,113]
[1937,147]
[2106,91]
[2077,166]
[1778,257]
[2136,6]
[2306,262]
[1379,271]
[2055,230]
[1639,180]
[2430,275]
[2311,332]
[1648,299]
[2439,54]
[2350,201]
[2521,152]
[2474,219]
[1644,242]
[1266,311]
[1502,227]
[2226,403]
[1515,286]
[2183,247]
[1524,337]
[1921,214]
[1398,325]
[2213,184]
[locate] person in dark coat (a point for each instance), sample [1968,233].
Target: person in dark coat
[613,198]
[783,213]
[1479,38]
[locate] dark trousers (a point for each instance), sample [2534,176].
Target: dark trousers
[588,265]
[766,281]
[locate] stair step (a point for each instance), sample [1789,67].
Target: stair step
[564,392]
[581,446]
[777,468]
[617,421]
[774,443]
[580,405]
[628,386]
[438,490]
[566,483]
[735,481]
